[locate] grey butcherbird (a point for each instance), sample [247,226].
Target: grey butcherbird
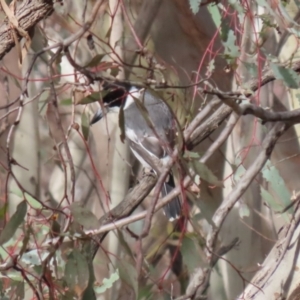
[151,130]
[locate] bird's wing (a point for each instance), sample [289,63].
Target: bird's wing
[153,146]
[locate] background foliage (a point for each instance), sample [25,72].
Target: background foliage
[76,211]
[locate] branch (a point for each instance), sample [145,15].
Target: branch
[264,114]
[124,209]
[28,14]
[223,211]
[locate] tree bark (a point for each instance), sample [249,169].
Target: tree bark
[28,14]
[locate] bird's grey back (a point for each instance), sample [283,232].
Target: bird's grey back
[159,114]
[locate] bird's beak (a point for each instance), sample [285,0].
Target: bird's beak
[97,117]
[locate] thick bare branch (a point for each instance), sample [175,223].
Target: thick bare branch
[28,14]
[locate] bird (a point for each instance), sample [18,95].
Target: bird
[150,128]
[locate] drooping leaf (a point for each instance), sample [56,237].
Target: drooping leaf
[289,76]
[270,201]
[17,291]
[108,33]
[122,124]
[77,272]
[244,210]
[85,126]
[190,251]
[146,292]
[84,216]
[95,61]
[34,257]
[124,244]
[298,98]
[225,28]
[26,239]
[15,221]
[93,97]
[114,71]
[251,68]
[205,173]
[107,283]
[231,49]
[33,202]
[215,14]
[128,274]
[3,210]
[66,102]
[271,174]
[189,154]
[195,5]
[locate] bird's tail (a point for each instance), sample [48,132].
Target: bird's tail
[172,210]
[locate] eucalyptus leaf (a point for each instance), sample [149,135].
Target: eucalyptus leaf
[3,210]
[84,216]
[272,176]
[93,97]
[107,283]
[33,202]
[17,291]
[205,173]
[190,251]
[13,224]
[122,124]
[95,61]
[128,274]
[289,76]
[85,126]
[195,5]
[77,272]
[66,102]
[269,199]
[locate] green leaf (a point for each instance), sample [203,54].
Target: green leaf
[3,210]
[244,210]
[34,257]
[15,221]
[114,71]
[251,68]
[17,290]
[95,61]
[215,14]
[93,97]
[190,251]
[231,49]
[289,76]
[205,173]
[122,124]
[225,28]
[66,102]
[26,239]
[85,126]
[188,155]
[124,244]
[33,202]
[194,5]
[271,174]
[77,272]
[108,33]
[146,292]
[298,98]
[269,199]
[129,275]
[83,216]
[107,283]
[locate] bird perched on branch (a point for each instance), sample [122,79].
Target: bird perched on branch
[150,128]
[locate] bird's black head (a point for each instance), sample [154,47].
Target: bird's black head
[114,98]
